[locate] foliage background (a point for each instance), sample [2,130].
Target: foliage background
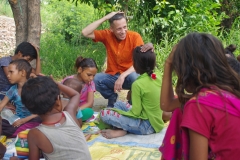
[161,22]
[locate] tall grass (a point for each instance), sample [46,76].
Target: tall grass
[164,47]
[58,57]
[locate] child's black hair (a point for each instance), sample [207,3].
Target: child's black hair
[26,49]
[230,49]
[199,61]
[235,64]
[85,63]
[144,62]
[39,95]
[74,84]
[22,64]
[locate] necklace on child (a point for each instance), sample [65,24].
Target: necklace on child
[56,124]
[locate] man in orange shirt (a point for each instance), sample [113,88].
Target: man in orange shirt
[119,43]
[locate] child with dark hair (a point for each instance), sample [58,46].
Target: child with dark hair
[59,136]
[86,70]
[208,97]
[18,73]
[74,84]
[170,102]
[82,115]
[144,116]
[234,63]
[24,50]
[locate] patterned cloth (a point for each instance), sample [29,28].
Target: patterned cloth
[173,146]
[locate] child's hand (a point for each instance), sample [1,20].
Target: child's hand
[33,75]
[36,48]
[51,76]
[19,122]
[146,47]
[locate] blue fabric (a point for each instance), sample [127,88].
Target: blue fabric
[79,114]
[105,84]
[131,125]
[4,83]
[21,110]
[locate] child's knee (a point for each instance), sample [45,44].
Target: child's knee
[105,112]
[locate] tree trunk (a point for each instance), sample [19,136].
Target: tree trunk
[27,19]
[34,22]
[19,9]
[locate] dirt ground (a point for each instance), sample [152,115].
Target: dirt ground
[100,102]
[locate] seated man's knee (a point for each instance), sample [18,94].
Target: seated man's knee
[96,78]
[132,77]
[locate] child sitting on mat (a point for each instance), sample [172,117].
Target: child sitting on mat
[209,103]
[82,115]
[18,73]
[144,116]
[86,70]
[59,135]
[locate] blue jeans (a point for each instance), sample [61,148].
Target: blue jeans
[131,125]
[105,84]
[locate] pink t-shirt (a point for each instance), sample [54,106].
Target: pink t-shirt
[84,93]
[218,126]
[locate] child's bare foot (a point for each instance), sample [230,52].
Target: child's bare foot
[110,133]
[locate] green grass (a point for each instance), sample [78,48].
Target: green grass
[58,58]
[5,8]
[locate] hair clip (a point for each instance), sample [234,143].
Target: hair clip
[153,76]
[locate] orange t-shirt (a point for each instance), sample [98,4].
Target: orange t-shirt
[119,53]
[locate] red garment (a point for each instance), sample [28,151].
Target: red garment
[217,118]
[119,53]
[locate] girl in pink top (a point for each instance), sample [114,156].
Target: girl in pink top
[208,92]
[86,70]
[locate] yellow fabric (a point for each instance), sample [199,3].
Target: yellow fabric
[89,128]
[105,151]
[3,139]
[93,136]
